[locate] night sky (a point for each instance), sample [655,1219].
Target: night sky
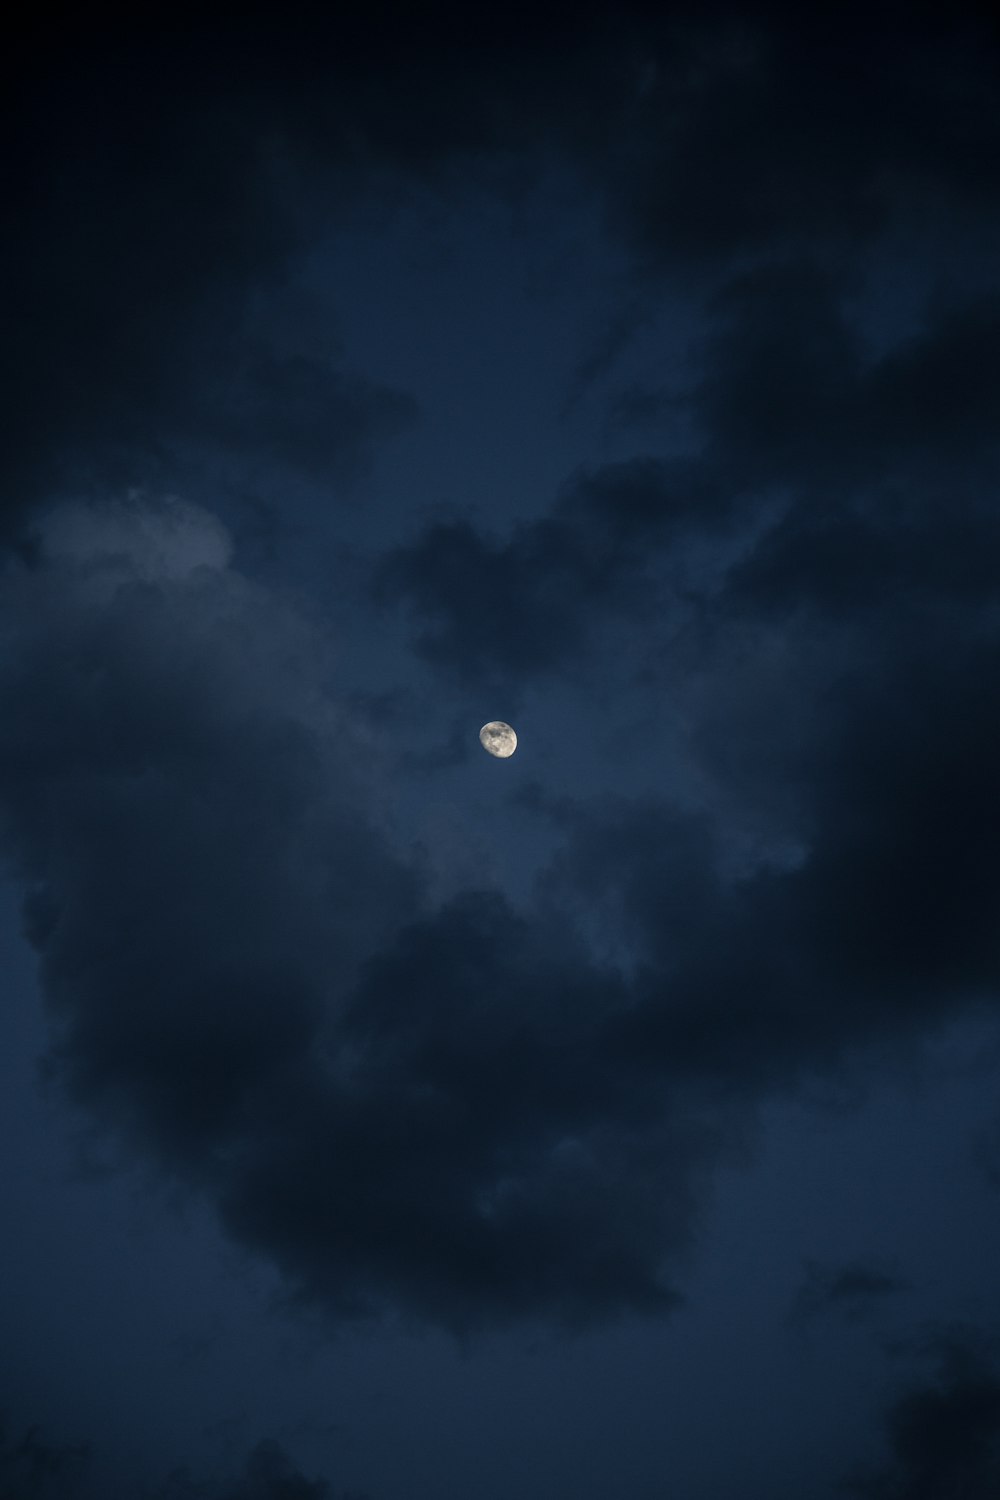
[381,1120]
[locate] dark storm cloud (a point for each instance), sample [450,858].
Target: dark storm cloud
[771,150]
[789,397]
[399,1107]
[160,174]
[457,1113]
[512,608]
[884,917]
[157,174]
[851,1291]
[131,262]
[480,1158]
[943,1434]
[859,481]
[779,126]
[156,785]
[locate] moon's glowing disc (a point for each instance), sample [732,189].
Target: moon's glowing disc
[498,738]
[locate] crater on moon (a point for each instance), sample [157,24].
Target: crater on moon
[498,738]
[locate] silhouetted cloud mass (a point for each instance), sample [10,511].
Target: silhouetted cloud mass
[943,1435]
[709,134]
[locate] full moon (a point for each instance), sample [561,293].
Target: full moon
[498,738]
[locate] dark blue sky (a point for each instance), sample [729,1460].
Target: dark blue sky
[615,1122]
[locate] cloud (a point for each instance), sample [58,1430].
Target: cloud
[175,774]
[300,413]
[163,178]
[268,1474]
[156,190]
[824,480]
[157,185]
[33,1469]
[943,1435]
[401,1107]
[880,922]
[554,582]
[479,1161]
[768,128]
[853,1290]
[459,1112]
